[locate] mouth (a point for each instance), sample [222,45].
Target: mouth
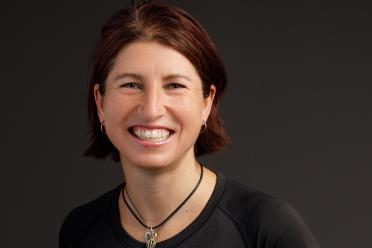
[151,134]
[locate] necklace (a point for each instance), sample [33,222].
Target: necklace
[151,235]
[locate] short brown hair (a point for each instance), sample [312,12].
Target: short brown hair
[170,26]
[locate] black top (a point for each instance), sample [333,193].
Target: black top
[236,216]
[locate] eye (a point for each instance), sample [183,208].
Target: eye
[131,85]
[175,86]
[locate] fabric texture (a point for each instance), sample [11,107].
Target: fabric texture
[236,216]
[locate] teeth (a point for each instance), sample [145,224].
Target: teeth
[153,134]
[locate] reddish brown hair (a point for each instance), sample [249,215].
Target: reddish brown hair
[170,26]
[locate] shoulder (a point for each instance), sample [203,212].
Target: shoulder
[249,206]
[80,219]
[264,219]
[246,201]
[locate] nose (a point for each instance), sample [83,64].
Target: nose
[152,103]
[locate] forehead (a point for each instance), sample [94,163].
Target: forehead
[152,58]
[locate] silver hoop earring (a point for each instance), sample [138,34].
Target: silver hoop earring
[204,127]
[103,127]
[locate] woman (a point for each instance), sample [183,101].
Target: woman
[153,102]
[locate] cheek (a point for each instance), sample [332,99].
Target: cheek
[189,109]
[183,100]
[116,106]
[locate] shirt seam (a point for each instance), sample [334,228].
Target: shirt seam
[236,224]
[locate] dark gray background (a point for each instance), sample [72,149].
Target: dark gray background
[298,108]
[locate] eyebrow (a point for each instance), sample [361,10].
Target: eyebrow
[177,75]
[139,77]
[125,75]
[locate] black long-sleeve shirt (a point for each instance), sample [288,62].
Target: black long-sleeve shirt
[235,216]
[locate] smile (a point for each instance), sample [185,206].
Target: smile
[153,134]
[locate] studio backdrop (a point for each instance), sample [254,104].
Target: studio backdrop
[297,107]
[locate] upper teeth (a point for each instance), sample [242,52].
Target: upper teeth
[151,134]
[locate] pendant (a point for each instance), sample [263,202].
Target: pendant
[150,238]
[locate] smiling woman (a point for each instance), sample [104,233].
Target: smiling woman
[155,86]
[153,99]
[170,27]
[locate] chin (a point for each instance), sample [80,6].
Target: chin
[149,161]
[157,160]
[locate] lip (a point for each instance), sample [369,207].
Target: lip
[147,143]
[151,127]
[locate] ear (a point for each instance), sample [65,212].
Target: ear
[99,102]
[208,102]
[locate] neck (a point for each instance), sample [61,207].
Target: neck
[157,192]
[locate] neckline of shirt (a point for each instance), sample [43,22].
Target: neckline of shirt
[126,240]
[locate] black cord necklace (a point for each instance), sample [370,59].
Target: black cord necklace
[151,235]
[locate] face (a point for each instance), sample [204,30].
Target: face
[153,106]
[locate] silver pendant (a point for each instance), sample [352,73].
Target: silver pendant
[150,238]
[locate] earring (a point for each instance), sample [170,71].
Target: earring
[204,127]
[103,127]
